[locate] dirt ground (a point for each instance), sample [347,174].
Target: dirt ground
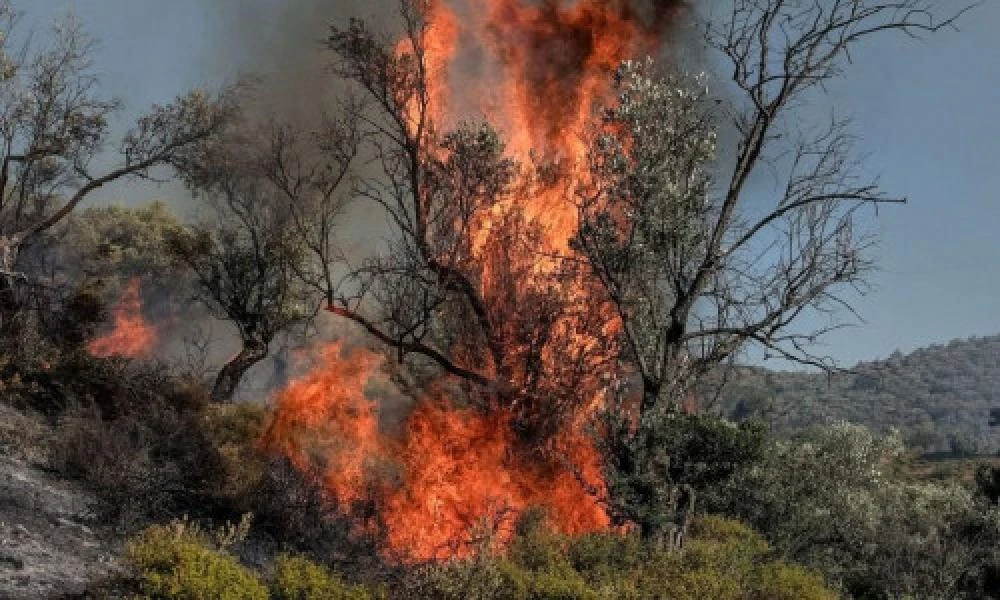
[51,544]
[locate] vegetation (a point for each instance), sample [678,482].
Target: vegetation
[837,499]
[478,300]
[724,560]
[180,561]
[938,397]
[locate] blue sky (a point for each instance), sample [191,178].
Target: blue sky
[925,112]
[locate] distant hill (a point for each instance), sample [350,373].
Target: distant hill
[939,397]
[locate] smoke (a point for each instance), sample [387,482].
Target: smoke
[280,43]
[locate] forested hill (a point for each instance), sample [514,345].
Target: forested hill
[939,397]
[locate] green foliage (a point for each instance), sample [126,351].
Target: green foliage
[724,560]
[180,562]
[831,499]
[117,242]
[296,578]
[658,470]
[487,578]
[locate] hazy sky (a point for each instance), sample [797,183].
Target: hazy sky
[925,110]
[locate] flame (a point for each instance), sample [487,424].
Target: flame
[455,477]
[463,472]
[132,336]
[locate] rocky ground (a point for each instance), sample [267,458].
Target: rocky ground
[51,545]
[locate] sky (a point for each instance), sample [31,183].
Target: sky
[925,112]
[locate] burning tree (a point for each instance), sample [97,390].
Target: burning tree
[474,283]
[590,253]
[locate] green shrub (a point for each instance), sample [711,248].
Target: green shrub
[180,562]
[780,581]
[723,560]
[493,578]
[296,578]
[726,560]
[600,556]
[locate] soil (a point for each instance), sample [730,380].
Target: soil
[52,544]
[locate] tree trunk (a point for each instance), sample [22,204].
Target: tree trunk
[230,375]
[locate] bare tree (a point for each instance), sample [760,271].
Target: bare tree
[695,274]
[54,125]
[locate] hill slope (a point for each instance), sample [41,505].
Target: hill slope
[939,396]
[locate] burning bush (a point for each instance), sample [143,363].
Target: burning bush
[460,469]
[132,336]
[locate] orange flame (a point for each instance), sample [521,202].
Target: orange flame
[132,336]
[461,469]
[540,69]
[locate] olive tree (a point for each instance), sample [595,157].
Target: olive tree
[696,270]
[449,295]
[264,253]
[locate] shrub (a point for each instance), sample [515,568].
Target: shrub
[668,462]
[292,507]
[233,430]
[725,560]
[780,581]
[493,578]
[141,446]
[832,499]
[296,578]
[180,562]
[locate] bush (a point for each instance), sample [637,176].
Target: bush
[141,446]
[233,430]
[831,499]
[780,581]
[668,462]
[292,507]
[180,562]
[493,578]
[723,560]
[296,578]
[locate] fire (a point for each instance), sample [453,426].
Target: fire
[464,478]
[132,336]
[456,476]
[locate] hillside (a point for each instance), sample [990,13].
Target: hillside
[939,396]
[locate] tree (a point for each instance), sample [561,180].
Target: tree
[694,273]
[54,126]
[267,254]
